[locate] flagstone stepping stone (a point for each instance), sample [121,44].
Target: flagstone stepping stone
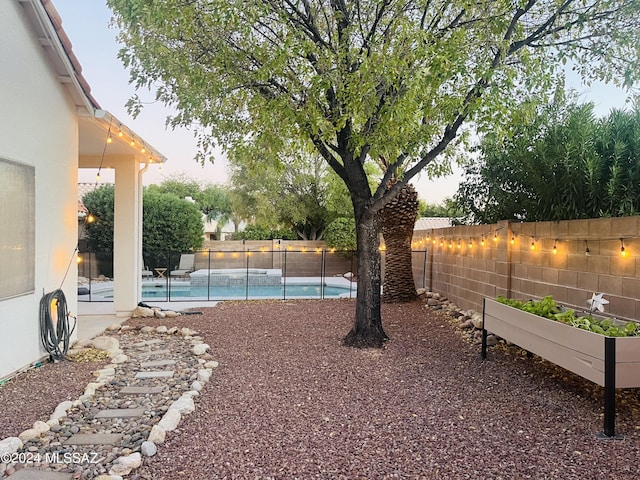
[120,413]
[157,363]
[158,374]
[141,390]
[155,352]
[94,439]
[148,342]
[33,474]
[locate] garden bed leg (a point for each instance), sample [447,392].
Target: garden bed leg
[609,432]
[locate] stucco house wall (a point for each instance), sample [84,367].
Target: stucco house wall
[39,128]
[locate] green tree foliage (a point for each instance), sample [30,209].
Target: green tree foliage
[217,203]
[564,164]
[100,204]
[257,232]
[170,226]
[341,234]
[447,208]
[299,193]
[180,185]
[364,81]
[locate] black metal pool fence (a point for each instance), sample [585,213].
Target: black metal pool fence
[214,275]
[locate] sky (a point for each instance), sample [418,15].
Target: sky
[87,23]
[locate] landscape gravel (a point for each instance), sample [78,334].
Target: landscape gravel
[288,401]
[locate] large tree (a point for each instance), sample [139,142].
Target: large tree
[297,192]
[364,80]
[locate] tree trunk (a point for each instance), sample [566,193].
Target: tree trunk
[398,219]
[367,331]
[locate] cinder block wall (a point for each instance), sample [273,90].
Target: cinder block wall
[297,257]
[587,260]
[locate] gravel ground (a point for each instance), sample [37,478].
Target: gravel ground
[34,394]
[288,401]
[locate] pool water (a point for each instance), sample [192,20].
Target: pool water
[177,291]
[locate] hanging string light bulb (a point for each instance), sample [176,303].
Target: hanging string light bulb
[533,244]
[555,247]
[587,252]
[623,252]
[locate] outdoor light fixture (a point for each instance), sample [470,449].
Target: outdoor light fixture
[91,218]
[623,252]
[587,252]
[533,244]
[482,240]
[513,239]
[495,237]
[555,247]
[470,243]
[109,139]
[459,243]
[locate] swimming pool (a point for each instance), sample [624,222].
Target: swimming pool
[293,288]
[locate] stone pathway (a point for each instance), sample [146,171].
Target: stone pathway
[122,417]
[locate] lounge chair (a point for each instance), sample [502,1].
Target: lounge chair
[187,265]
[146,273]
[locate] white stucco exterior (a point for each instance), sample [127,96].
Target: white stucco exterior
[38,127]
[49,121]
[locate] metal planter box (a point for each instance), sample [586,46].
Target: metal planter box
[612,362]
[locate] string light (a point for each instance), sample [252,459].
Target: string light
[120,132]
[587,252]
[495,237]
[623,252]
[482,240]
[98,177]
[109,139]
[459,243]
[471,243]
[555,247]
[450,243]
[533,244]
[91,218]
[513,239]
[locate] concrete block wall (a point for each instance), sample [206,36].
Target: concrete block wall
[587,260]
[297,258]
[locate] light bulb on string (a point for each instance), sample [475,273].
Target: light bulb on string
[482,241]
[623,252]
[555,247]
[513,239]
[495,237]
[587,252]
[109,139]
[533,244]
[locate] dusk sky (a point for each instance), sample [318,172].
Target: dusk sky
[87,23]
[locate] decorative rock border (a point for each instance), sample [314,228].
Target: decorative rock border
[468,322]
[122,416]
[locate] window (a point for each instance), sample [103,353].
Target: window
[18,230]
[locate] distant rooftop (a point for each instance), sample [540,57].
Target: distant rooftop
[427,223]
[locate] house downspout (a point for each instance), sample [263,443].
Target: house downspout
[140,259]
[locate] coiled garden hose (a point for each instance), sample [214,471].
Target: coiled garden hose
[56,337]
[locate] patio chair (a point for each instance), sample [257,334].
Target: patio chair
[187,265]
[146,273]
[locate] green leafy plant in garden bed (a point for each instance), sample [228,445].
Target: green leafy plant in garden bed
[548,308]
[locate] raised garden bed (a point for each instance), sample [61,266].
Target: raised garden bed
[612,362]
